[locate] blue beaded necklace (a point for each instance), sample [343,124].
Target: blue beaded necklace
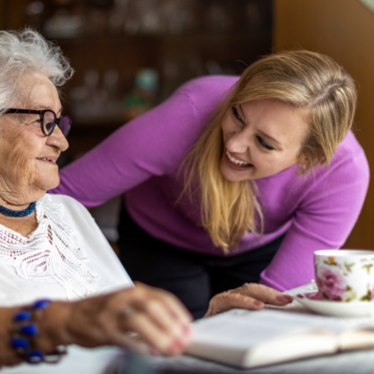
[18,213]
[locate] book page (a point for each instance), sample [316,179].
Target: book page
[240,337]
[291,347]
[242,329]
[358,338]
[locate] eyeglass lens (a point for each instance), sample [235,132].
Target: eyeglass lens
[64,125]
[49,123]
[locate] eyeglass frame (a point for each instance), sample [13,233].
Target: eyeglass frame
[41,114]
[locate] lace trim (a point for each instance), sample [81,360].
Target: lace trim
[50,253]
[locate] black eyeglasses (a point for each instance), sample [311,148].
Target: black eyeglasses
[48,120]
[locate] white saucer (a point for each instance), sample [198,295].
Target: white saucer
[312,301]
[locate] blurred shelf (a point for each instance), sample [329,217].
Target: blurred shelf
[135,38]
[201,48]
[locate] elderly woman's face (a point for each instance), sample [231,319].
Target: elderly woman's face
[27,157]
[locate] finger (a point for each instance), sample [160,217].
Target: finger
[177,309]
[132,341]
[165,311]
[174,305]
[160,315]
[265,294]
[159,338]
[226,301]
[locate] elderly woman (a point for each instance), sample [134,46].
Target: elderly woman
[51,248]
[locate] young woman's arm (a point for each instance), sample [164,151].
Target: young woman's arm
[154,143]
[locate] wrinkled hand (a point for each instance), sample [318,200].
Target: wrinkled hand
[250,296]
[157,316]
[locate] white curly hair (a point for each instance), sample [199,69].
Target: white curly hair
[27,51]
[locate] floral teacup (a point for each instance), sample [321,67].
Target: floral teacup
[345,275]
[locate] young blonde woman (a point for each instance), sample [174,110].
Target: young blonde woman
[233,180]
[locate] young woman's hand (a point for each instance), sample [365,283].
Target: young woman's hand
[250,296]
[157,316]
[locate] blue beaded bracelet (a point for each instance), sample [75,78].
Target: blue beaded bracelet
[24,332]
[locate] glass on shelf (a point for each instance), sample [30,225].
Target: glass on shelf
[116,22]
[180,16]
[177,70]
[159,16]
[253,15]
[63,25]
[116,19]
[113,105]
[93,103]
[218,17]
[143,17]
[82,97]
[151,17]
[142,96]
[100,4]
[34,14]
[95,22]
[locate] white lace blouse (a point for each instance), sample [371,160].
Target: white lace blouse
[66,257]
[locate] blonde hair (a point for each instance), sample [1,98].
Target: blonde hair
[311,82]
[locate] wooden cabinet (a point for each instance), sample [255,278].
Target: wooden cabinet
[344,30]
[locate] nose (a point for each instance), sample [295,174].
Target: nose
[58,140]
[238,142]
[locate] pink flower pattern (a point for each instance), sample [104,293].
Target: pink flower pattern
[331,284]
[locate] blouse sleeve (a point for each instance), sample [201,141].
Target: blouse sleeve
[153,144]
[324,219]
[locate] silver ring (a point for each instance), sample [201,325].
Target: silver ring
[127,311]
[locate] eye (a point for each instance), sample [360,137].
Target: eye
[29,119]
[236,114]
[263,144]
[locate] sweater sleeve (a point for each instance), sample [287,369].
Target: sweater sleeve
[153,144]
[323,220]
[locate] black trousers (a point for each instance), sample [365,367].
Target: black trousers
[193,277]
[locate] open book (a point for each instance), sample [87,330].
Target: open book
[248,339]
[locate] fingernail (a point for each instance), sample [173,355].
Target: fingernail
[180,342]
[186,329]
[284,298]
[172,348]
[259,303]
[154,351]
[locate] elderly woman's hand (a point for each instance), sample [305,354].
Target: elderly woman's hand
[157,316]
[250,296]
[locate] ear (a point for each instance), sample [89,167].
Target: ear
[302,160]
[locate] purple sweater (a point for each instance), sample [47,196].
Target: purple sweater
[142,159]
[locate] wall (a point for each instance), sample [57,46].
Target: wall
[343,29]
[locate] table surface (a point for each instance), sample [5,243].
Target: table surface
[354,362]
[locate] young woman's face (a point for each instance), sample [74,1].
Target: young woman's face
[261,138]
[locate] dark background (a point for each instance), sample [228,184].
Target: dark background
[104,39]
[183,39]
[112,44]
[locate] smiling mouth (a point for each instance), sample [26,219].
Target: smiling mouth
[49,160]
[237,162]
